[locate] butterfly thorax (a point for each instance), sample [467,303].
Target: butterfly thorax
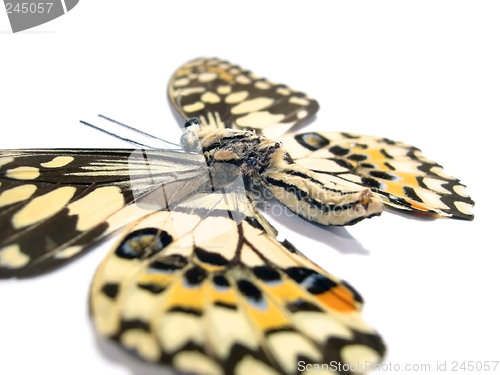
[253,154]
[229,151]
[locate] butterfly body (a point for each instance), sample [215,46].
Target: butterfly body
[265,162]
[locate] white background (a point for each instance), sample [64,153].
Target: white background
[426,72]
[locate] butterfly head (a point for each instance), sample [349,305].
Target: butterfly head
[193,121]
[190,139]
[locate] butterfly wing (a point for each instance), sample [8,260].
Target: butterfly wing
[55,204]
[208,294]
[399,173]
[223,94]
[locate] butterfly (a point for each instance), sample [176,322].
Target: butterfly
[197,278]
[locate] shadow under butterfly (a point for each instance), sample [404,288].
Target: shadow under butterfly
[197,279]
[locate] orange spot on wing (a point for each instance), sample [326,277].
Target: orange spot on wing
[374,155]
[396,188]
[179,295]
[226,296]
[285,292]
[269,318]
[419,206]
[338,299]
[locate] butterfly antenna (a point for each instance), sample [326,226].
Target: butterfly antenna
[114,135]
[138,131]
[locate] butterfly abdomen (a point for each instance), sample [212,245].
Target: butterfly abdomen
[317,199]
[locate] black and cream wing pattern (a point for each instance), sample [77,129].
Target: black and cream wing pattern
[225,95]
[218,296]
[55,204]
[197,278]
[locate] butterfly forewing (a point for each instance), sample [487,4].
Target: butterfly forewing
[54,204]
[403,177]
[223,94]
[246,302]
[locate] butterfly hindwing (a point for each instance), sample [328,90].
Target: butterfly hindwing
[55,204]
[399,173]
[246,302]
[223,94]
